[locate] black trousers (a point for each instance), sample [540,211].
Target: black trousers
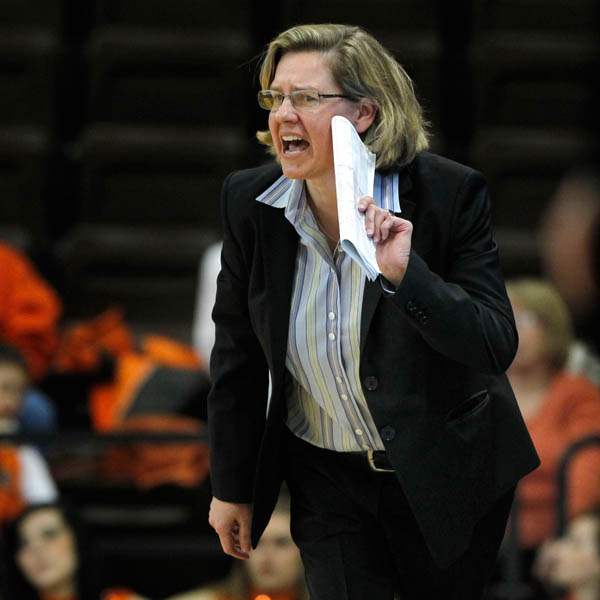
[360,541]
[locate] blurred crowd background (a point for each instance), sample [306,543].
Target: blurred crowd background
[118,121]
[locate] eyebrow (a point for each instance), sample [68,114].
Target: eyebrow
[295,88]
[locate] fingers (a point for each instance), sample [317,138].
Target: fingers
[232,521]
[244,536]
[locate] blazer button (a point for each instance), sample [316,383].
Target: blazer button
[388,433]
[371,383]
[411,307]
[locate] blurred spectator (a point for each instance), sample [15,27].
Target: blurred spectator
[47,555]
[573,562]
[570,245]
[24,477]
[29,311]
[273,572]
[558,407]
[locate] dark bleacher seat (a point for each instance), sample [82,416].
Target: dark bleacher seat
[23,155]
[523,168]
[157,176]
[191,78]
[27,76]
[559,16]
[175,14]
[150,208]
[46,14]
[534,79]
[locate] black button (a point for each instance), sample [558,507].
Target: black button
[411,306]
[388,433]
[424,319]
[371,383]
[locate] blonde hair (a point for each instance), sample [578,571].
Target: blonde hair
[543,300]
[363,68]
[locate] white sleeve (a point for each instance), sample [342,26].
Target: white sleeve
[36,483]
[203,334]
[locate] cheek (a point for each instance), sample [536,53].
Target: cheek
[273,129]
[26,562]
[66,550]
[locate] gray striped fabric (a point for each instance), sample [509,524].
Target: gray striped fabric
[326,404]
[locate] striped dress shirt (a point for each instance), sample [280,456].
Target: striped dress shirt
[325,402]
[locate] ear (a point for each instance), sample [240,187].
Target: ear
[366,113]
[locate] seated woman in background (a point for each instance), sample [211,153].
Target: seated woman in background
[46,557]
[559,408]
[273,572]
[573,561]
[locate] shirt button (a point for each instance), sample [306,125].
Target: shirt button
[388,433]
[358,431]
[332,336]
[331,316]
[338,379]
[371,383]
[344,397]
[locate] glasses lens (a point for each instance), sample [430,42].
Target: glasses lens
[305,98]
[265,100]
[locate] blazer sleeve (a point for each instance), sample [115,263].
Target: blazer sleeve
[237,401]
[466,315]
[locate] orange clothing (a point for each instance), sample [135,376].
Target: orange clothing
[11,499]
[570,410]
[29,310]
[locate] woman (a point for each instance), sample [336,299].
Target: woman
[47,553]
[390,417]
[559,408]
[273,572]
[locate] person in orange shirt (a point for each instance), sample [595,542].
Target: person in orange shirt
[273,572]
[46,550]
[29,310]
[559,408]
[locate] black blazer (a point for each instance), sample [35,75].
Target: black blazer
[433,355]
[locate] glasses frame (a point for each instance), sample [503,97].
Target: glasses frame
[291,95]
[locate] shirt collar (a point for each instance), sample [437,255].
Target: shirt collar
[288,193]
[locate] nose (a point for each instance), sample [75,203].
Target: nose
[286,111]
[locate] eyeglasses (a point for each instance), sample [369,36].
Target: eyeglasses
[300,99]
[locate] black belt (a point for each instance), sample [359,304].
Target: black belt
[376,460]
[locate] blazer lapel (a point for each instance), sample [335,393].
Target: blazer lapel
[279,242]
[373,291]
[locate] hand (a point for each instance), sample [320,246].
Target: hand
[232,523]
[392,237]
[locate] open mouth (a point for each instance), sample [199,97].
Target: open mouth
[293,144]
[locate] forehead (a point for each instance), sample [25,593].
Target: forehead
[12,371]
[297,70]
[34,523]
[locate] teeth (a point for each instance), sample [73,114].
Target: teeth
[291,138]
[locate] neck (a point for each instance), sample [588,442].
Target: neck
[322,199]
[531,378]
[61,591]
[530,384]
[589,591]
